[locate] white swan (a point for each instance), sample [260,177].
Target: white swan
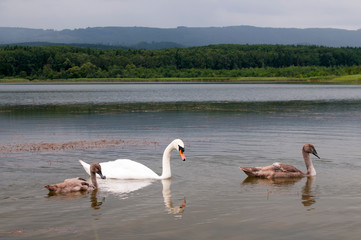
[128,169]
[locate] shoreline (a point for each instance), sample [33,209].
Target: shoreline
[346,80]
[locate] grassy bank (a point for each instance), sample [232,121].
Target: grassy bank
[348,79]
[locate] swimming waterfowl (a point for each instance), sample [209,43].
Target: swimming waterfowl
[281,170]
[128,169]
[78,184]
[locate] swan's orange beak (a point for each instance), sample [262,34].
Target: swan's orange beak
[181,153]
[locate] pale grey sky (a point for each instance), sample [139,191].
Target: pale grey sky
[70,14]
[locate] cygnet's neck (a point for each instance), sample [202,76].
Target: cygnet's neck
[309,165]
[94,179]
[166,172]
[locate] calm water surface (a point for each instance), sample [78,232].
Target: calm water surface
[268,123]
[40,94]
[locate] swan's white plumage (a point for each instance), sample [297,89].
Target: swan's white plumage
[124,169]
[128,169]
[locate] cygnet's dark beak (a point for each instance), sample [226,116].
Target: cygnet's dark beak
[101,175]
[315,153]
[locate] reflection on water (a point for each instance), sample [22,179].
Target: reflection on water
[90,94]
[220,137]
[308,195]
[290,106]
[122,188]
[271,181]
[95,204]
[176,210]
[67,196]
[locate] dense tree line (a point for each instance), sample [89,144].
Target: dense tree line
[62,62]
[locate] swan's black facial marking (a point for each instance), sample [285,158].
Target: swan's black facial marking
[181,149]
[181,152]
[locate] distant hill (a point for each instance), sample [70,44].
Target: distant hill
[143,37]
[141,45]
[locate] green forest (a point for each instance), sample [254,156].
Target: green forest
[66,62]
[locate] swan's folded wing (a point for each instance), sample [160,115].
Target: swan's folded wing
[258,171]
[127,169]
[287,168]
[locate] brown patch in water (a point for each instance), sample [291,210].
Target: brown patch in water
[73,145]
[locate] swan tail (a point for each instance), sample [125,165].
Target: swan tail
[86,166]
[51,188]
[250,171]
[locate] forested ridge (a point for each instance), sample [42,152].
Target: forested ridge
[64,62]
[185,36]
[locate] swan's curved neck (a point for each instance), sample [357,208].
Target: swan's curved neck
[166,172]
[94,179]
[309,165]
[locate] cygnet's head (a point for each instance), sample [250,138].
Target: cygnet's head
[96,169]
[309,148]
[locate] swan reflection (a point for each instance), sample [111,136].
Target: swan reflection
[308,195]
[94,203]
[272,181]
[167,196]
[67,196]
[122,188]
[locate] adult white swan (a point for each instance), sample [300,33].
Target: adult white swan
[128,169]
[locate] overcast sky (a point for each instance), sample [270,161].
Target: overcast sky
[71,14]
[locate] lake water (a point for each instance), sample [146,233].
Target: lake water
[223,126]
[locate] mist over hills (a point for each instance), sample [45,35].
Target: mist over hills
[145,37]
